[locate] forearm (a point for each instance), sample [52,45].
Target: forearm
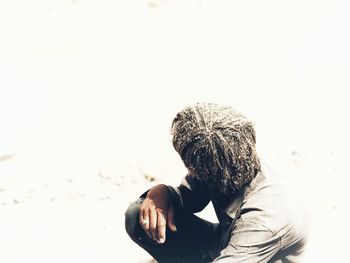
[191,196]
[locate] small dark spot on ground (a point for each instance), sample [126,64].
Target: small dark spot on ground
[149,178]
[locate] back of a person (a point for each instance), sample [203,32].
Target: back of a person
[268,221]
[275,205]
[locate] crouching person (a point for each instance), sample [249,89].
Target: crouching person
[260,220]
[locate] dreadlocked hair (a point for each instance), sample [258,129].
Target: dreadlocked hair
[218,144]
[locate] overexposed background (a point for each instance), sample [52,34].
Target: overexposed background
[88,90]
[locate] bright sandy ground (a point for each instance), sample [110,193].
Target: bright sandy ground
[88,90]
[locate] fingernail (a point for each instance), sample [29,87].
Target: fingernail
[161,240]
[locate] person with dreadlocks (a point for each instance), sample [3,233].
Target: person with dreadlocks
[259,219]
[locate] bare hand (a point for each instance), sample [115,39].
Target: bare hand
[157,212]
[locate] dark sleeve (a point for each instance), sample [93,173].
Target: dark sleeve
[250,242]
[191,196]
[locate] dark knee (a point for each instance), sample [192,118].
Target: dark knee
[132,219]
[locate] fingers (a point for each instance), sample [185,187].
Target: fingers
[161,227]
[148,221]
[154,216]
[144,221]
[153,224]
[171,223]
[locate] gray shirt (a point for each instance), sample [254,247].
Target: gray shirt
[264,222]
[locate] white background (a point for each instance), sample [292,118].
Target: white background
[88,90]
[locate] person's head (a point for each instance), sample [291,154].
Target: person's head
[216,144]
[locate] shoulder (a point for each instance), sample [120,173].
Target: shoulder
[270,203]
